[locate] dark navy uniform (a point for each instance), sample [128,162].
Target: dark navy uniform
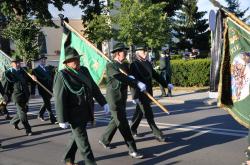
[45,76]
[144,72]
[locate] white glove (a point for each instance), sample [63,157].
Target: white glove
[141,86]
[106,108]
[130,76]
[64,125]
[157,67]
[135,101]
[171,86]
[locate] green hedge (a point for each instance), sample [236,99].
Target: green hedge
[188,73]
[176,57]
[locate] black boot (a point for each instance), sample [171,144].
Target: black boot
[7,117]
[169,93]
[53,119]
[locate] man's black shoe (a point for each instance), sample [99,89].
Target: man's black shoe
[41,118]
[135,155]
[104,145]
[8,117]
[160,138]
[29,133]
[247,153]
[15,126]
[169,95]
[136,135]
[54,122]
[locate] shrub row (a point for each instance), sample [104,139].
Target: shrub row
[188,73]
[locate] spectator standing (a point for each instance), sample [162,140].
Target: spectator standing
[165,72]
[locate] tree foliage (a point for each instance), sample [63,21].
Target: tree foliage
[96,21]
[234,7]
[190,28]
[4,43]
[99,29]
[24,33]
[24,20]
[141,22]
[91,8]
[37,9]
[171,6]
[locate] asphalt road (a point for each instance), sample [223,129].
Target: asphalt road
[197,134]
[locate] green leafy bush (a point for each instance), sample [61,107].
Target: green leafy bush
[176,57]
[190,72]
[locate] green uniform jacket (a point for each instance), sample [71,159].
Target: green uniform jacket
[45,77]
[144,72]
[16,83]
[74,96]
[117,84]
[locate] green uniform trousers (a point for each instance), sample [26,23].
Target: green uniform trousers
[79,140]
[119,120]
[146,110]
[21,115]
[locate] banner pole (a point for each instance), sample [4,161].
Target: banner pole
[39,83]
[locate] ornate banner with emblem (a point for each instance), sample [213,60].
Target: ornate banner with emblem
[4,62]
[90,58]
[234,87]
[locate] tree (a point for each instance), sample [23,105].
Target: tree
[4,43]
[234,7]
[190,28]
[24,33]
[96,21]
[91,8]
[37,9]
[99,29]
[171,6]
[25,19]
[141,22]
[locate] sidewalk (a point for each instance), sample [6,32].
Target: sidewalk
[181,96]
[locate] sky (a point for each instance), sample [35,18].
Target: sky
[203,5]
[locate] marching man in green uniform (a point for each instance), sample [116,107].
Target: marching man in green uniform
[44,75]
[74,90]
[143,71]
[15,81]
[117,84]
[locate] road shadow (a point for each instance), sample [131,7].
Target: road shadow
[181,143]
[185,142]
[35,138]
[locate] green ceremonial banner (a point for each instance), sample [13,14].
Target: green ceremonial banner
[5,62]
[90,58]
[234,87]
